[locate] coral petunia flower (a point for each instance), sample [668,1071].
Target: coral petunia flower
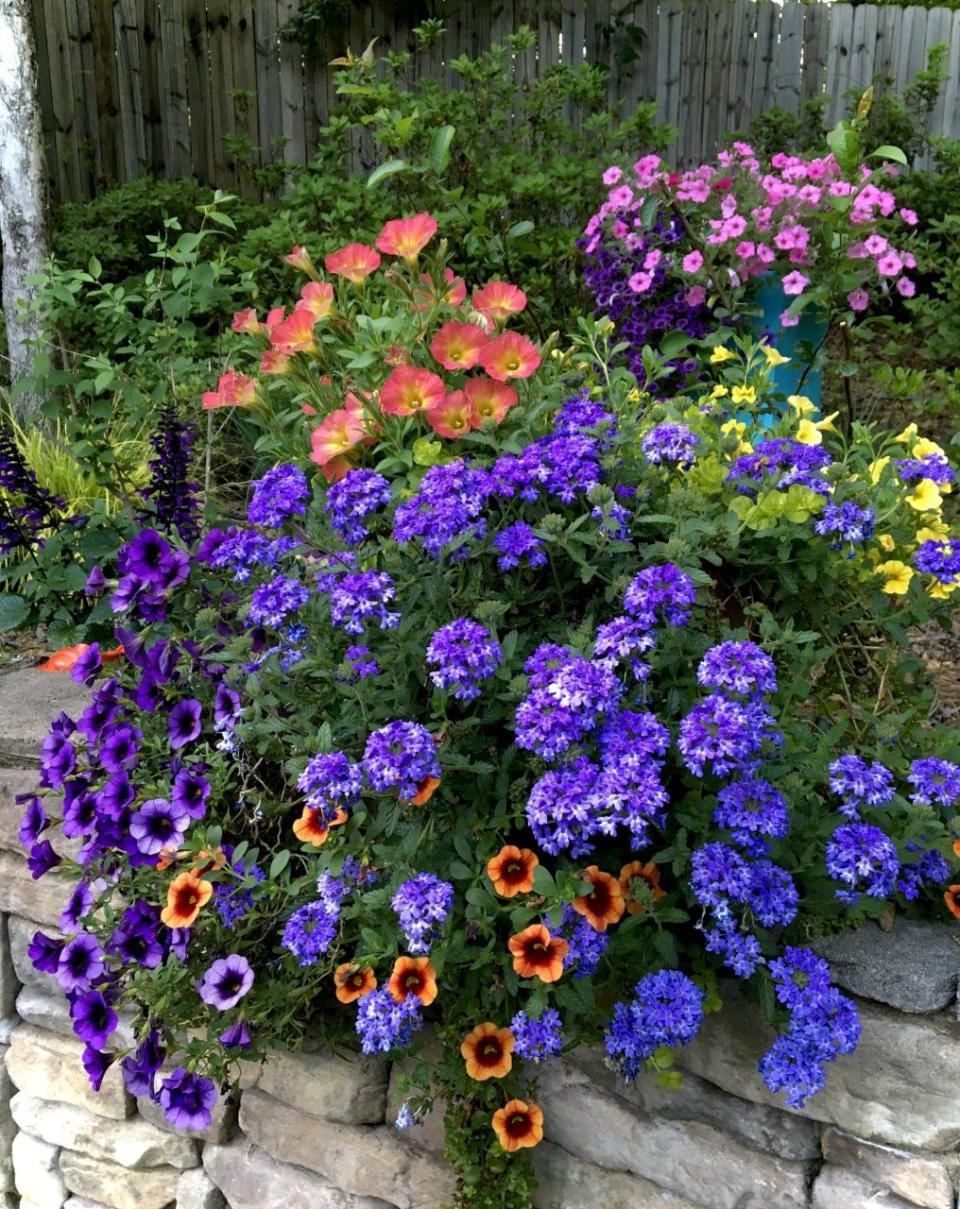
[246,321]
[511,870]
[951,897]
[453,295]
[336,469]
[648,873]
[317,298]
[64,659]
[425,791]
[604,904]
[489,399]
[537,954]
[413,976]
[518,1125]
[453,417]
[488,1052]
[409,390]
[341,431]
[509,355]
[310,828]
[458,345]
[233,390]
[186,894]
[351,981]
[274,361]
[498,300]
[407,237]
[295,333]
[356,262]
[299,258]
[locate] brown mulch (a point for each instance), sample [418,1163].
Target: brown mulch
[940,651]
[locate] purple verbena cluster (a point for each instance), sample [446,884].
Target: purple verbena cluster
[422,904]
[462,655]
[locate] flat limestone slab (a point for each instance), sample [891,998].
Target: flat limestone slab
[29,701]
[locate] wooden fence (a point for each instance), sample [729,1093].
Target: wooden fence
[176,87]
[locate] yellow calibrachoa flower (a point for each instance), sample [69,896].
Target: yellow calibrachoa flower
[721,354]
[885,542]
[897,575]
[808,433]
[926,497]
[719,391]
[737,428]
[801,404]
[933,531]
[877,468]
[923,447]
[907,435]
[743,394]
[634,395]
[773,356]
[940,591]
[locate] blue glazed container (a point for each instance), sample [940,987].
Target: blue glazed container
[769,296]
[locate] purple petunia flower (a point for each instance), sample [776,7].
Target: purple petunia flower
[96,1063]
[226,982]
[87,666]
[140,1068]
[189,793]
[78,904]
[34,820]
[93,1018]
[185,722]
[81,963]
[41,859]
[44,952]
[187,1099]
[158,824]
[237,1036]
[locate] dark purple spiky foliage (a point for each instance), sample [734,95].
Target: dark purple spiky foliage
[25,507]
[172,493]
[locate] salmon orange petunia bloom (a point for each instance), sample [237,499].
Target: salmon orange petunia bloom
[299,258]
[356,262]
[634,871]
[453,417]
[511,870]
[489,399]
[453,294]
[340,432]
[233,390]
[488,1052]
[604,904]
[537,954]
[498,300]
[352,982]
[317,298]
[458,345]
[274,361]
[518,1125]
[425,791]
[509,355]
[246,321]
[413,976]
[409,390]
[951,897]
[407,237]
[186,894]
[311,829]
[295,333]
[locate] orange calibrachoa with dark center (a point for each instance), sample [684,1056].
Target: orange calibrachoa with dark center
[537,954]
[951,897]
[518,1125]
[604,904]
[413,976]
[488,1051]
[648,874]
[512,869]
[311,829]
[352,982]
[186,894]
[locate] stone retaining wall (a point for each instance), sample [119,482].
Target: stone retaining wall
[311,1130]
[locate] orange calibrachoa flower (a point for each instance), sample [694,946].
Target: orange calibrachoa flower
[233,390]
[648,873]
[511,870]
[409,390]
[425,791]
[488,1051]
[317,298]
[458,345]
[956,847]
[518,1125]
[509,355]
[604,904]
[116,652]
[299,258]
[295,333]
[352,982]
[489,399]
[407,237]
[498,300]
[311,829]
[186,894]
[453,417]
[951,897]
[537,954]
[413,976]
[356,262]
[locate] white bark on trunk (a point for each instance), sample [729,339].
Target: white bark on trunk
[23,232]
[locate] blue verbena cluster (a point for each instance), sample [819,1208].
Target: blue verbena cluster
[738,667]
[243,552]
[864,860]
[310,931]
[462,655]
[781,463]
[383,1024]
[231,899]
[860,784]
[846,522]
[671,444]
[667,1009]
[516,543]
[275,602]
[725,736]
[569,695]
[934,780]
[754,812]
[537,1039]
[422,904]
[331,782]
[661,593]
[446,511]
[940,559]
[932,466]
[400,756]
[358,495]
[359,599]
[585,945]
[281,494]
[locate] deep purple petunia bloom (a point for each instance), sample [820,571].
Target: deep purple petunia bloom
[34,819]
[57,759]
[187,1099]
[118,747]
[237,1036]
[140,1067]
[116,793]
[79,903]
[44,952]
[226,982]
[85,670]
[42,859]
[190,792]
[96,582]
[81,963]
[96,1064]
[226,705]
[158,824]
[93,1018]
[184,724]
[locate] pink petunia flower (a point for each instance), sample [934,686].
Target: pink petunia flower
[906,287]
[612,175]
[858,300]
[795,283]
[693,262]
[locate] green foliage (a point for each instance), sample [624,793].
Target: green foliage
[901,119]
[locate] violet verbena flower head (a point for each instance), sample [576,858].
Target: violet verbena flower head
[226,982]
[244,551]
[233,900]
[422,904]
[620,641]
[462,654]
[400,756]
[568,698]
[782,463]
[282,493]
[933,466]
[847,521]
[738,951]
[187,1100]
[585,945]
[158,824]
[565,466]
[738,667]
[632,739]
[860,784]
[725,736]
[359,494]
[864,860]
[670,444]
[310,931]
[667,1009]
[536,1040]
[934,780]
[940,558]
[561,811]
[275,602]
[445,513]
[383,1024]
[754,811]
[516,543]
[331,782]
[360,598]
[581,414]
[801,979]
[660,593]
[931,870]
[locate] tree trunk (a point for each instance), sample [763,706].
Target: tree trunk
[23,234]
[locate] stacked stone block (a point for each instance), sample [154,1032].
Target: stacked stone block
[311,1130]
